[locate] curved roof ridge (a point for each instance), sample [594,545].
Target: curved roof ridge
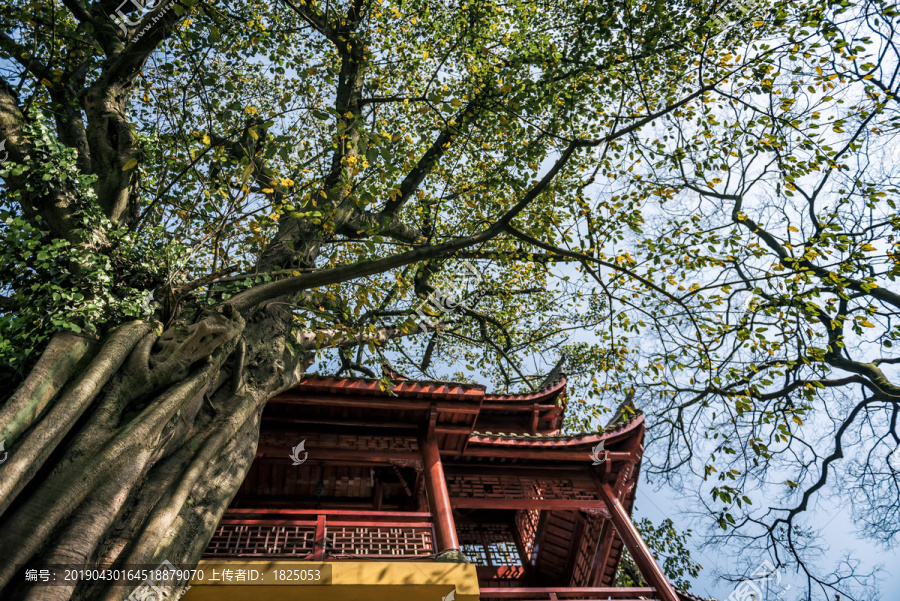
[312,378]
[552,389]
[591,436]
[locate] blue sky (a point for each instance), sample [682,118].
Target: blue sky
[832,520]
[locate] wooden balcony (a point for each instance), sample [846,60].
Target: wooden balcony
[377,536]
[319,535]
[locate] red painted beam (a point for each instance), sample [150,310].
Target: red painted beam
[548,504]
[266,522]
[394,515]
[371,402]
[319,454]
[569,591]
[650,570]
[549,452]
[523,472]
[331,523]
[463,405]
[524,408]
[305,424]
[557,597]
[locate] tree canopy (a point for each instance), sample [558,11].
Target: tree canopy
[692,201]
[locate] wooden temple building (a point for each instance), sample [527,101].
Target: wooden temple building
[435,491]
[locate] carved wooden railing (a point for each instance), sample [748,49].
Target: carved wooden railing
[558,594]
[317,535]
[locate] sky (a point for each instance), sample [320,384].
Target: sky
[831,519]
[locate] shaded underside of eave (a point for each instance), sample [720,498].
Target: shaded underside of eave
[572,441]
[458,404]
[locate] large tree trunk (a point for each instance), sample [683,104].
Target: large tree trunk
[128,450]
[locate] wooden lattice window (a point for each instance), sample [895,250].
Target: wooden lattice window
[253,541]
[344,539]
[584,560]
[373,541]
[489,544]
[527,524]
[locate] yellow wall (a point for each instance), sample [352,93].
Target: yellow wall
[351,581]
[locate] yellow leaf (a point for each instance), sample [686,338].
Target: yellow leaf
[759,23]
[867,323]
[792,228]
[254,135]
[47,83]
[868,247]
[268,190]
[130,165]
[206,139]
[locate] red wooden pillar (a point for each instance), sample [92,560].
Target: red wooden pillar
[650,570]
[319,543]
[436,487]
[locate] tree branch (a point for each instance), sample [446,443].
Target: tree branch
[264,292]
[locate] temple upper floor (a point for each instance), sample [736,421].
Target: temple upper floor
[350,472]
